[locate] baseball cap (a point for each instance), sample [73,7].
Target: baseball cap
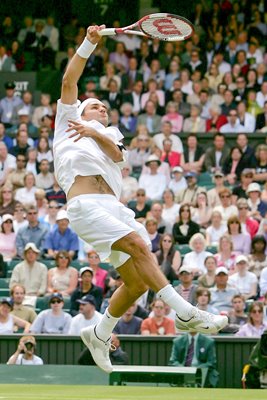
[23,111]
[241,258]
[185,268]
[10,85]
[31,246]
[247,171]
[84,269]
[178,169]
[190,175]
[87,299]
[7,217]
[7,300]
[152,158]
[56,295]
[62,214]
[253,187]
[218,173]
[221,270]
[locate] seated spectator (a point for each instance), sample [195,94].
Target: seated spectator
[249,225]
[169,258]
[21,143]
[203,300]
[226,256]
[194,123]
[151,225]
[16,177]
[166,133]
[54,320]
[189,195]
[193,156]
[154,182]
[234,165]
[156,213]
[201,213]
[153,87]
[173,117]
[62,278]
[226,208]
[245,281]
[255,325]
[8,163]
[100,274]
[45,179]
[159,324]
[178,181]
[127,118]
[222,293]
[87,316]
[240,190]
[216,120]
[129,324]
[85,286]
[61,238]
[247,120]
[170,210]
[247,150]
[10,102]
[149,118]
[34,232]
[196,350]
[7,238]
[7,202]
[261,119]
[214,76]
[257,259]
[4,138]
[24,355]
[56,193]
[186,288]
[50,217]
[169,156]
[19,220]
[112,95]
[112,282]
[41,203]
[42,110]
[117,355]
[25,195]
[233,125]
[216,155]
[258,208]
[8,320]
[196,258]
[31,165]
[241,241]
[216,229]
[263,283]
[207,280]
[129,184]
[138,155]
[184,229]
[237,315]
[109,74]
[31,274]
[140,205]
[17,294]
[260,172]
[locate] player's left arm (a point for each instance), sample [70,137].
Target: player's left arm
[111,149]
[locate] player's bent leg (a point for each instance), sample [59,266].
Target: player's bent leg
[189,318]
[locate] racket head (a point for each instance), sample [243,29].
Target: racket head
[166,27]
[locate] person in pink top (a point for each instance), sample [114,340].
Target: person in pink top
[173,117]
[99,273]
[7,238]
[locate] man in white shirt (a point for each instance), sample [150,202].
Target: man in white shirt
[88,315]
[233,125]
[245,281]
[246,119]
[45,179]
[166,133]
[154,183]
[24,355]
[262,95]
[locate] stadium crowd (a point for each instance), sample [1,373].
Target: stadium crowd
[205,209]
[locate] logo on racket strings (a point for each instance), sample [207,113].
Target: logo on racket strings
[166,27]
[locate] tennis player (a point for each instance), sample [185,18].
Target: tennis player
[88,157]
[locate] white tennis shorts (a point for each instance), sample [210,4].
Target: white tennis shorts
[101,220]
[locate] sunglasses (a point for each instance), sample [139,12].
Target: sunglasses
[96,257]
[242,208]
[32,213]
[167,241]
[63,257]
[55,301]
[256,312]
[225,197]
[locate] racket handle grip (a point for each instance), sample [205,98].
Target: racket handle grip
[107,32]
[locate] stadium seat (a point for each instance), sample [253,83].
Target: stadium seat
[183,248]
[4,283]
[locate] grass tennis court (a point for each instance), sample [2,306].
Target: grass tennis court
[67,392]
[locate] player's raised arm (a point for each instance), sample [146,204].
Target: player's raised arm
[69,89]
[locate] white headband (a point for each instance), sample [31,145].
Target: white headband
[86,102]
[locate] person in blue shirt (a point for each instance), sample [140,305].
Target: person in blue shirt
[61,238]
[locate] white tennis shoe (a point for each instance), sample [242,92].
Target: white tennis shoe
[98,348]
[201,321]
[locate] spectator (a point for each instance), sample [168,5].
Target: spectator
[127,118]
[16,177]
[193,157]
[178,182]
[129,184]
[203,300]
[8,163]
[62,278]
[129,324]
[201,213]
[168,155]
[112,95]
[172,115]
[189,195]
[151,225]
[34,232]
[41,202]
[261,95]
[8,320]
[19,220]
[216,155]
[156,213]
[255,325]
[7,63]
[149,118]
[42,110]
[216,229]
[134,97]
[4,138]
[170,209]
[169,258]
[226,208]
[197,350]
[87,316]
[140,206]
[213,194]
[215,120]
[233,125]
[153,88]
[246,282]
[257,259]
[17,293]
[36,43]
[8,103]
[131,76]
[154,183]
[261,164]
[249,225]
[222,293]
[85,287]
[44,151]
[241,241]
[207,280]
[240,190]
[237,315]
[56,193]
[21,144]
[26,105]
[26,194]
[247,150]
[246,119]
[61,238]
[258,208]
[54,320]
[234,165]
[31,274]
[261,119]
[159,324]
[7,202]
[109,74]
[195,259]
[31,165]
[138,156]
[194,123]
[229,103]
[44,179]
[184,229]
[100,274]
[24,354]
[7,238]
[186,288]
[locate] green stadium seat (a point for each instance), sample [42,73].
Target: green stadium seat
[212,249]
[183,248]
[4,292]
[204,179]
[4,283]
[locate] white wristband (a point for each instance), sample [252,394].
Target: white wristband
[86,49]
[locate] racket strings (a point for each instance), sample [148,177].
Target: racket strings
[166,28]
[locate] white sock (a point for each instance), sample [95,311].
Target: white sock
[175,301]
[105,327]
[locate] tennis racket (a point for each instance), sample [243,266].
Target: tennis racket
[163,26]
